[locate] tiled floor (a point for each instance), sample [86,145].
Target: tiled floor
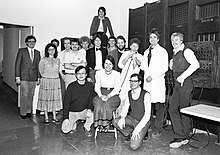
[32,137]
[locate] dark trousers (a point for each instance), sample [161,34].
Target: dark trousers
[159,108]
[130,124]
[181,99]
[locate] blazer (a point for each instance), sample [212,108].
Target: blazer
[25,68]
[95,25]
[90,57]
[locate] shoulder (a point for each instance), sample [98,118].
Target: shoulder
[116,73]
[95,18]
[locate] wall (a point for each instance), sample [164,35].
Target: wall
[59,18]
[1,49]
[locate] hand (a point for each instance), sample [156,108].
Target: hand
[149,79]
[135,134]
[131,53]
[38,81]
[121,123]
[18,81]
[88,113]
[180,80]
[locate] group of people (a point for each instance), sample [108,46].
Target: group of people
[90,80]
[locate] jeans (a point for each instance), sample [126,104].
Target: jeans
[130,124]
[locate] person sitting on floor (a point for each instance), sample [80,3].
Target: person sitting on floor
[135,125]
[78,103]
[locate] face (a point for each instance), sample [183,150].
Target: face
[67,44]
[111,42]
[74,46]
[101,13]
[153,39]
[134,47]
[85,45]
[108,65]
[134,83]
[97,42]
[176,42]
[31,43]
[81,75]
[51,50]
[55,43]
[120,44]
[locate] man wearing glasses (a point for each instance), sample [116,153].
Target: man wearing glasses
[27,74]
[135,124]
[78,103]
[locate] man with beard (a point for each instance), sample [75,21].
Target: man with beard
[121,43]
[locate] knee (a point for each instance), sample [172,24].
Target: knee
[114,122]
[134,146]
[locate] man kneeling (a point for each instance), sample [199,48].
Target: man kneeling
[78,103]
[136,124]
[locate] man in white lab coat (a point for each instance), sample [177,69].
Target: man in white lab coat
[155,65]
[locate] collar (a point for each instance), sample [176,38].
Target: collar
[29,49]
[101,18]
[179,48]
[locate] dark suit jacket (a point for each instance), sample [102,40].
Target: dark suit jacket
[90,57]
[25,68]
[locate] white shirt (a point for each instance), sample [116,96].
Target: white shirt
[107,81]
[30,53]
[190,58]
[98,60]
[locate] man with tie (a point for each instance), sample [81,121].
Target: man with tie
[27,74]
[95,57]
[155,65]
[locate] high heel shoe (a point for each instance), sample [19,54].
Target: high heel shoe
[55,120]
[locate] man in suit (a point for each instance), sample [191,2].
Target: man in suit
[27,74]
[95,57]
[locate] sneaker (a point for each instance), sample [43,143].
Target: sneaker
[87,133]
[176,143]
[156,134]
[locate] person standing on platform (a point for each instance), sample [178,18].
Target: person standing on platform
[134,125]
[155,65]
[184,63]
[27,74]
[99,25]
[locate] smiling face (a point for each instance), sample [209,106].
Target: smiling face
[81,75]
[134,47]
[121,44]
[74,46]
[134,83]
[97,42]
[31,43]
[108,66]
[67,44]
[176,42]
[101,13]
[51,51]
[153,39]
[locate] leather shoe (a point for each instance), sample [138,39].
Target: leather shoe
[28,115]
[23,116]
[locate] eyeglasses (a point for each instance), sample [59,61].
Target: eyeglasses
[133,80]
[32,41]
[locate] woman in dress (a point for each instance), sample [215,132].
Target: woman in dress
[107,87]
[50,99]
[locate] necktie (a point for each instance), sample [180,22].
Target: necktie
[32,54]
[149,56]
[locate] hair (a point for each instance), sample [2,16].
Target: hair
[134,40]
[121,37]
[66,39]
[112,37]
[84,39]
[76,40]
[177,34]
[97,36]
[55,40]
[103,9]
[30,37]
[111,59]
[79,68]
[47,48]
[137,75]
[154,32]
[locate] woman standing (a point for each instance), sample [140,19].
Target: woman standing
[50,99]
[107,87]
[113,50]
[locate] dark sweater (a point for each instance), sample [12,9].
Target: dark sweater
[78,98]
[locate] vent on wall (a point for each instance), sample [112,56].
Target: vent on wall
[179,14]
[209,10]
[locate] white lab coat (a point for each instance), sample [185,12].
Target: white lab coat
[157,69]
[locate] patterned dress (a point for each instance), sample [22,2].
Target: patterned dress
[50,98]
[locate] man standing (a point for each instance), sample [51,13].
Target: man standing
[137,122]
[183,64]
[72,60]
[27,74]
[121,44]
[155,65]
[78,102]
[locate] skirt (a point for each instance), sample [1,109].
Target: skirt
[50,95]
[103,109]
